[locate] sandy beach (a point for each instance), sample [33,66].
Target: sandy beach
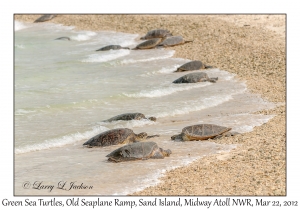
[254,48]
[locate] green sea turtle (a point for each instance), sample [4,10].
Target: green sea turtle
[195,77]
[44,18]
[173,41]
[192,65]
[116,136]
[157,33]
[112,47]
[63,38]
[130,116]
[138,151]
[203,132]
[151,43]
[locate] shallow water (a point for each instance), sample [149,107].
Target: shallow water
[65,89]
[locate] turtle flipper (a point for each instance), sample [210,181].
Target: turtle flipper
[179,70]
[112,160]
[160,46]
[230,133]
[204,80]
[218,136]
[227,134]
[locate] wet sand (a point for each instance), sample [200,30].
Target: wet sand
[250,46]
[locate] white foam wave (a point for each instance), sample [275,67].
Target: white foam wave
[127,124]
[136,123]
[19,26]
[241,123]
[224,75]
[54,26]
[20,46]
[139,123]
[129,61]
[58,142]
[84,36]
[228,77]
[102,39]
[253,121]
[168,70]
[22,112]
[152,179]
[165,91]
[107,55]
[164,70]
[196,105]
[126,43]
[123,39]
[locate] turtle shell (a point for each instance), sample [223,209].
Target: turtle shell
[112,47]
[171,41]
[63,38]
[44,18]
[111,137]
[190,66]
[149,43]
[157,33]
[203,131]
[192,78]
[134,151]
[127,116]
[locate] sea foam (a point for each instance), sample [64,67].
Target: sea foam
[64,140]
[167,55]
[165,90]
[127,124]
[107,55]
[23,111]
[164,70]
[195,105]
[83,36]
[19,26]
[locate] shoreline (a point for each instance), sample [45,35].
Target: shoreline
[253,48]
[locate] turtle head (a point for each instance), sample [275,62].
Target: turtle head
[142,136]
[152,118]
[177,137]
[119,155]
[209,67]
[213,79]
[166,153]
[188,41]
[179,70]
[164,37]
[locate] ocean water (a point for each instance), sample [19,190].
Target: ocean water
[64,90]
